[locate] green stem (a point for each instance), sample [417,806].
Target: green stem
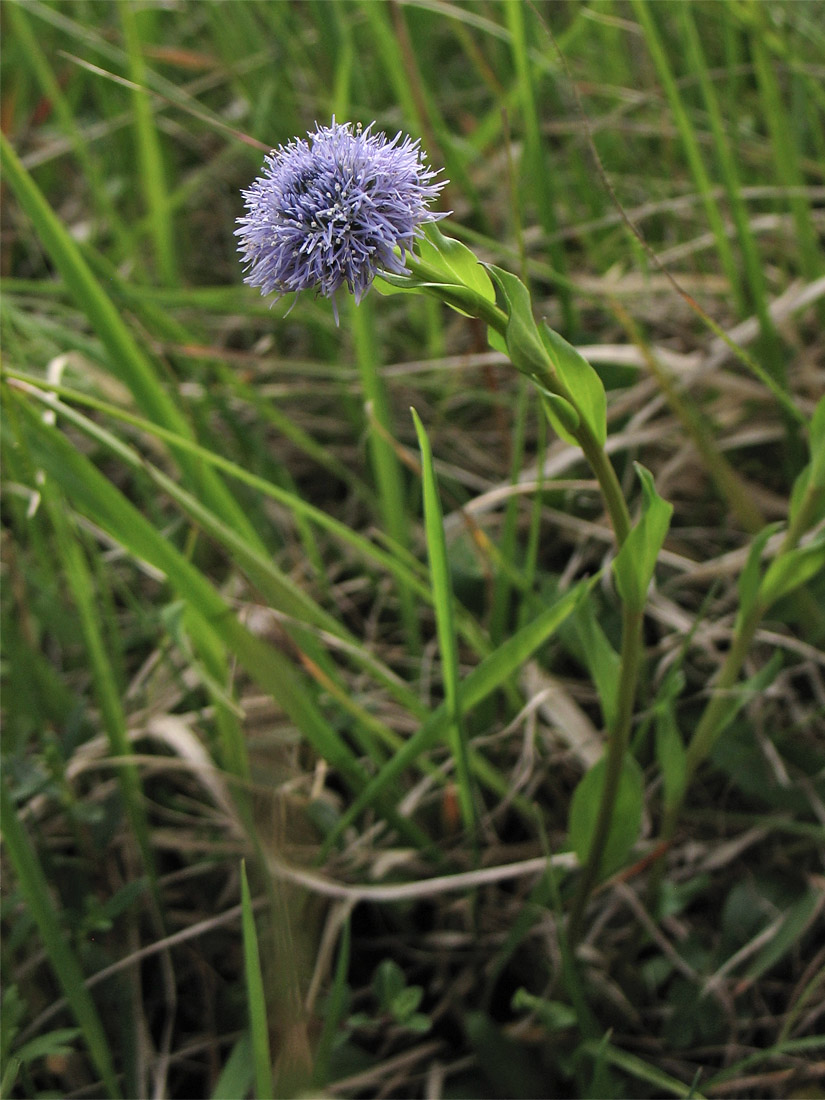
[631,651]
[387,471]
[630,661]
[618,740]
[611,490]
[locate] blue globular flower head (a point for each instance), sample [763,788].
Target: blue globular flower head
[330,211]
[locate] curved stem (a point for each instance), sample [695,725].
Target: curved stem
[602,467]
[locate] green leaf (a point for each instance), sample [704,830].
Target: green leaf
[40,904]
[524,343]
[563,418]
[751,576]
[462,299]
[238,1073]
[636,561]
[388,284]
[387,982]
[554,1015]
[60,1041]
[445,621]
[747,691]
[789,571]
[456,275]
[477,686]
[405,1003]
[581,380]
[419,1023]
[601,659]
[496,340]
[256,1000]
[817,445]
[796,919]
[627,814]
[458,263]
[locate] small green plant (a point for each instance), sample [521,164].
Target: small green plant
[395,1000]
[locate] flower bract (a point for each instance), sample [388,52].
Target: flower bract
[331,211]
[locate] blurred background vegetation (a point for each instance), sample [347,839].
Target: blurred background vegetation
[257,639]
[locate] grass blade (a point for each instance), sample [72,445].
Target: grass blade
[445,624]
[387,471]
[211,621]
[35,890]
[126,358]
[256,1000]
[150,157]
[491,674]
[692,149]
[335,1008]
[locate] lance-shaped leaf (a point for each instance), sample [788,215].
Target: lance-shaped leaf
[636,561]
[626,821]
[524,343]
[446,269]
[751,576]
[458,263]
[807,506]
[790,571]
[581,380]
[562,417]
[817,444]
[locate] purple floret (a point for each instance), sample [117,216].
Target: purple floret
[331,212]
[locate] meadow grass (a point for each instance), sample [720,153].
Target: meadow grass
[371,726]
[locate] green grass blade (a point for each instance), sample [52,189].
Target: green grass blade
[127,359]
[107,690]
[39,902]
[256,1000]
[150,158]
[491,674]
[396,561]
[641,1070]
[445,624]
[387,471]
[238,1073]
[373,736]
[211,619]
[754,274]
[51,89]
[782,128]
[335,1008]
[693,152]
[535,168]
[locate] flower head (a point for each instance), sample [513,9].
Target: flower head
[330,211]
